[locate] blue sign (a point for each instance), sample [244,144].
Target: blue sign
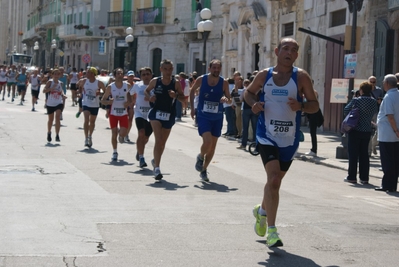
[350,63]
[101,47]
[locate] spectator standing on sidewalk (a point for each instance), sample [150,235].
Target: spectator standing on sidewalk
[237,91]
[359,137]
[388,134]
[230,113]
[280,106]
[377,93]
[315,121]
[248,117]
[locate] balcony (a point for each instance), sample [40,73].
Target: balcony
[153,16]
[29,34]
[92,33]
[120,19]
[51,20]
[67,31]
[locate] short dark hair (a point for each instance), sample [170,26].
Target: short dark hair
[166,61]
[366,88]
[115,71]
[215,61]
[145,69]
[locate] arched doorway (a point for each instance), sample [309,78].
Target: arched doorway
[383,50]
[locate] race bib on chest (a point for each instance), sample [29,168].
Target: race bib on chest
[282,128]
[211,107]
[161,115]
[144,110]
[91,97]
[119,111]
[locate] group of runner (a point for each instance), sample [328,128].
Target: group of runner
[276,93]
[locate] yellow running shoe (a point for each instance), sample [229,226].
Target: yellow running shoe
[272,239]
[260,225]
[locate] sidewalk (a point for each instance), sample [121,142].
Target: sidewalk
[326,152]
[327,143]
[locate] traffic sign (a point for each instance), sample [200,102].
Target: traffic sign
[86,58]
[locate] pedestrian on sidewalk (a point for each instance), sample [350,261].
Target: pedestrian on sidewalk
[315,120]
[280,106]
[388,134]
[359,137]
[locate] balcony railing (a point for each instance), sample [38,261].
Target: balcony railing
[51,19]
[152,15]
[29,34]
[121,19]
[92,32]
[66,30]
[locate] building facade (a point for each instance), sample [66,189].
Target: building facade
[244,35]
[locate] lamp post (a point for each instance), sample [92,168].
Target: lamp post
[36,48]
[205,27]
[129,40]
[24,48]
[354,7]
[53,47]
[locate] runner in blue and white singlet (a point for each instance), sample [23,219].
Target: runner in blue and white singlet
[280,106]
[213,92]
[278,125]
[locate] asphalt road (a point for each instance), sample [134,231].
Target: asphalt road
[65,205]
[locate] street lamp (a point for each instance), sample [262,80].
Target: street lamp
[129,40]
[205,27]
[15,49]
[24,48]
[36,48]
[354,7]
[54,47]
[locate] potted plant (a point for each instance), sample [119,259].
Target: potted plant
[89,33]
[101,27]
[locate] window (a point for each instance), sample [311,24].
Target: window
[338,18]
[288,29]
[88,18]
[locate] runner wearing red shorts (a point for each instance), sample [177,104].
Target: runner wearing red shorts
[119,101]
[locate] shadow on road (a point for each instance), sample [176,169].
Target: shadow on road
[216,187]
[143,172]
[282,258]
[167,185]
[91,151]
[52,145]
[120,162]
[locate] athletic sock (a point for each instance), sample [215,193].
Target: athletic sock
[261,211]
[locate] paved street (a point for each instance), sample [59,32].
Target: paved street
[65,205]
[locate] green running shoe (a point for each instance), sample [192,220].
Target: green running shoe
[260,225]
[272,239]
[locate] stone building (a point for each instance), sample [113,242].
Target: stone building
[84,33]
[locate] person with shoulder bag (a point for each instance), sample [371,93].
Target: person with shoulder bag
[359,136]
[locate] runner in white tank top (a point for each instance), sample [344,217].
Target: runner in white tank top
[54,104]
[74,79]
[280,106]
[34,81]
[120,99]
[141,109]
[91,90]
[3,80]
